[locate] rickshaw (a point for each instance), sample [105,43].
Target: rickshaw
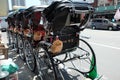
[61,48]
[24,31]
[31,34]
[10,26]
[10,29]
[13,27]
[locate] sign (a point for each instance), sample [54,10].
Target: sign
[117,14]
[109,0]
[3,7]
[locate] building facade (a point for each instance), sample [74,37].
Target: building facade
[107,8]
[3,8]
[15,4]
[18,2]
[108,2]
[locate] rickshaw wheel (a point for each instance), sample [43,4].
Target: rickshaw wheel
[29,56]
[21,48]
[9,36]
[47,69]
[15,40]
[85,58]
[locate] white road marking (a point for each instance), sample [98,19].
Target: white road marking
[105,45]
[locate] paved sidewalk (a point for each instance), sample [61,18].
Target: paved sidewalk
[23,73]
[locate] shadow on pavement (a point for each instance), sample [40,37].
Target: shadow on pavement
[23,73]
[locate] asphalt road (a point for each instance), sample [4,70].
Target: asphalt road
[107,49]
[106,45]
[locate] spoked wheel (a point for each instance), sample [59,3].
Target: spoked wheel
[85,59]
[14,42]
[29,56]
[21,47]
[47,69]
[9,36]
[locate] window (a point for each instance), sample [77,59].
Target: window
[98,21]
[105,21]
[118,1]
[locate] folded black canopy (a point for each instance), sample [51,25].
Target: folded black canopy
[61,14]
